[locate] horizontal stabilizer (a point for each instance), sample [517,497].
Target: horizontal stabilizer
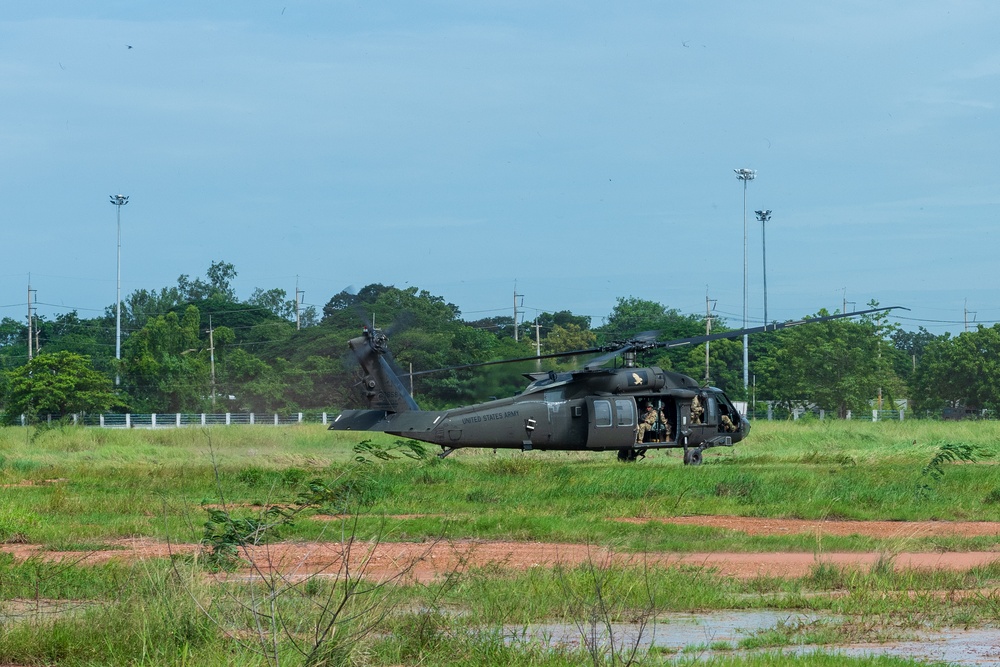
[359,420]
[399,423]
[413,421]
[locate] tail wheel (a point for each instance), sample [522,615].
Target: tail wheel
[692,457]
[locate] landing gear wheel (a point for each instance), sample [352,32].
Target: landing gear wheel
[692,457]
[627,455]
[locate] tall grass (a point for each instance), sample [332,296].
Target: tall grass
[71,486]
[169,613]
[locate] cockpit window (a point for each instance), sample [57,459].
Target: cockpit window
[727,406]
[555,396]
[712,411]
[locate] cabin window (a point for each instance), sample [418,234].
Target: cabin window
[626,416]
[602,413]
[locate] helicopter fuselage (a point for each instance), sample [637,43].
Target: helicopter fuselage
[626,408]
[594,410]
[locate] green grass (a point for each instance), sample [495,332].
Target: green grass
[163,613]
[73,489]
[70,485]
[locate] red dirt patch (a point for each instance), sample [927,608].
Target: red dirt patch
[31,482]
[429,560]
[882,529]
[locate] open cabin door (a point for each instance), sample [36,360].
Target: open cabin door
[611,422]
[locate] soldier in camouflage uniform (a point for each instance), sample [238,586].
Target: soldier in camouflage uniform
[654,420]
[646,422]
[696,410]
[665,434]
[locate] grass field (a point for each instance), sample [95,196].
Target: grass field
[75,489]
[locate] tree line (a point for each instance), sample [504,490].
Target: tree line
[195,347]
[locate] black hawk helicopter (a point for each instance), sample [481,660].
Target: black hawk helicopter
[595,408]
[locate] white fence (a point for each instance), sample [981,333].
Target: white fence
[874,415]
[178,419]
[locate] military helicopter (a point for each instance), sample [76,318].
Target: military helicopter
[596,408]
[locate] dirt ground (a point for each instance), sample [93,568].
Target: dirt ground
[425,561]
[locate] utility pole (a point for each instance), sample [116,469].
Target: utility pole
[966,311]
[538,338]
[516,296]
[709,305]
[31,338]
[211,352]
[848,304]
[298,303]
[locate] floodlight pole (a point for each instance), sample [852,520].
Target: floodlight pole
[764,216]
[745,175]
[119,201]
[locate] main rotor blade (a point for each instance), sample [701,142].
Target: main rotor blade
[643,341]
[553,355]
[597,362]
[774,326]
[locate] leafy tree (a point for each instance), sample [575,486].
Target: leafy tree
[912,343]
[143,304]
[568,338]
[165,364]
[313,382]
[633,316]
[68,332]
[909,347]
[963,371]
[13,332]
[269,333]
[887,356]
[13,343]
[347,301]
[253,385]
[499,325]
[60,383]
[220,277]
[274,300]
[837,365]
[421,328]
[562,318]
[725,365]
[315,364]
[266,363]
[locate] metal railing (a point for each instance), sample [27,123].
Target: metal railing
[182,419]
[775,413]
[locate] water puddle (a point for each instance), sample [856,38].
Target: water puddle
[980,646]
[719,633]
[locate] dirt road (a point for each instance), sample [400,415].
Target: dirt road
[424,561]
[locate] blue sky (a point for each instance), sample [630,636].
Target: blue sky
[575,152]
